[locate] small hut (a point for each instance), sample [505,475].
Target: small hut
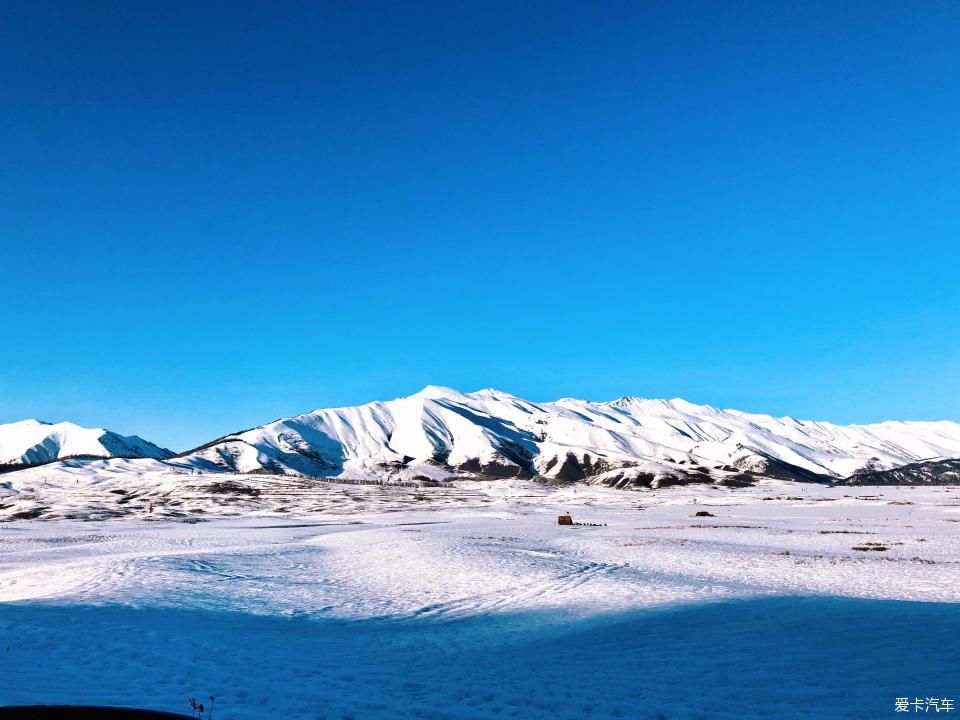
[565,520]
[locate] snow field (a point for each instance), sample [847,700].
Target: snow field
[475,604]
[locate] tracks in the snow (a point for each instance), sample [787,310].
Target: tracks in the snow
[538,592]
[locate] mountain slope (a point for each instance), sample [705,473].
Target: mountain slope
[440,432]
[931,472]
[30,442]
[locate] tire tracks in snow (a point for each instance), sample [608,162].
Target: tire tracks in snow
[524,596]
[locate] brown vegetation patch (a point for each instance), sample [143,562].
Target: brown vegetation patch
[870,547]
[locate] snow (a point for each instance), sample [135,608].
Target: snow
[33,441]
[321,585]
[469,601]
[441,433]
[784,658]
[437,431]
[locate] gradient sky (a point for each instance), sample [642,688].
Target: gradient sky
[215,214]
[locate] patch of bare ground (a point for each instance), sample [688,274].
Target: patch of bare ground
[846,532]
[870,547]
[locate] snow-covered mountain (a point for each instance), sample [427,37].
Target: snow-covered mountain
[929,472]
[439,433]
[29,442]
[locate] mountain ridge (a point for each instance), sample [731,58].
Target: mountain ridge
[441,433]
[34,442]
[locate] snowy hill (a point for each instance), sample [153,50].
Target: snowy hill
[440,433]
[30,442]
[931,472]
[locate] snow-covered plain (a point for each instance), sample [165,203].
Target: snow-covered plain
[471,602]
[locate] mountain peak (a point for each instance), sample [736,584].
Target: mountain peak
[437,392]
[34,441]
[492,394]
[441,432]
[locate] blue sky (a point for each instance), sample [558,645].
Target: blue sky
[216,214]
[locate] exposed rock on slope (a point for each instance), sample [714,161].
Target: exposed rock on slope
[440,432]
[932,472]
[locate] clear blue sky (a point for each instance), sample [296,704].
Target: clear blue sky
[215,214]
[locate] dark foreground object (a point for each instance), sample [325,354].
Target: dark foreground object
[80,712]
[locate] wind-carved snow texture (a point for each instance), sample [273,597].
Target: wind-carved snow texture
[441,433]
[776,600]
